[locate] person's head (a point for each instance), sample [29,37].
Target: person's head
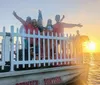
[34,22]
[49,22]
[28,19]
[77,32]
[57,18]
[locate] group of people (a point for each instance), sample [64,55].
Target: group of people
[37,25]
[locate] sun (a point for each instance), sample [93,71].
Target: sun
[91,46]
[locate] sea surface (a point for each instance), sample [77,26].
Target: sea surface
[93,75]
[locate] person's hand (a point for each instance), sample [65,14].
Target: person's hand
[63,16]
[79,25]
[14,13]
[39,11]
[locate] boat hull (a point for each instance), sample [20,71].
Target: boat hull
[46,76]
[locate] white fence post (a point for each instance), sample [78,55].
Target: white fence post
[60,35]
[29,47]
[3,52]
[70,48]
[48,47]
[39,48]
[56,48]
[73,46]
[65,48]
[34,52]
[52,48]
[17,48]
[3,48]
[44,56]
[12,48]
[23,47]
[7,48]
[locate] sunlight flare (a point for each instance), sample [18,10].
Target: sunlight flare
[91,46]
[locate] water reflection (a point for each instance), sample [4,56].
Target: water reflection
[93,75]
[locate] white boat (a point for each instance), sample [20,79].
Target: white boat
[61,68]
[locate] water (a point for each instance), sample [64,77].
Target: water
[93,75]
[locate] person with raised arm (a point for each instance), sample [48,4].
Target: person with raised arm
[24,27]
[27,24]
[40,18]
[59,28]
[40,21]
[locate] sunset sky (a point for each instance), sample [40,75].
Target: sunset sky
[86,12]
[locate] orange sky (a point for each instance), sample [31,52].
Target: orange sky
[91,30]
[86,30]
[89,17]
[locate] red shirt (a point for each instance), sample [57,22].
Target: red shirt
[59,27]
[31,28]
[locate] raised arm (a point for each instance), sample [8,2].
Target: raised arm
[66,25]
[40,18]
[19,18]
[40,14]
[62,18]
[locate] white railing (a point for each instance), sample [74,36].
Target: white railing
[49,49]
[2,50]
[2,58]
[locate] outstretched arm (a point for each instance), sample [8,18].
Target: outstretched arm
[19,18]
[66,25]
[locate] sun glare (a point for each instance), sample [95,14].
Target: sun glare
[91,46]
